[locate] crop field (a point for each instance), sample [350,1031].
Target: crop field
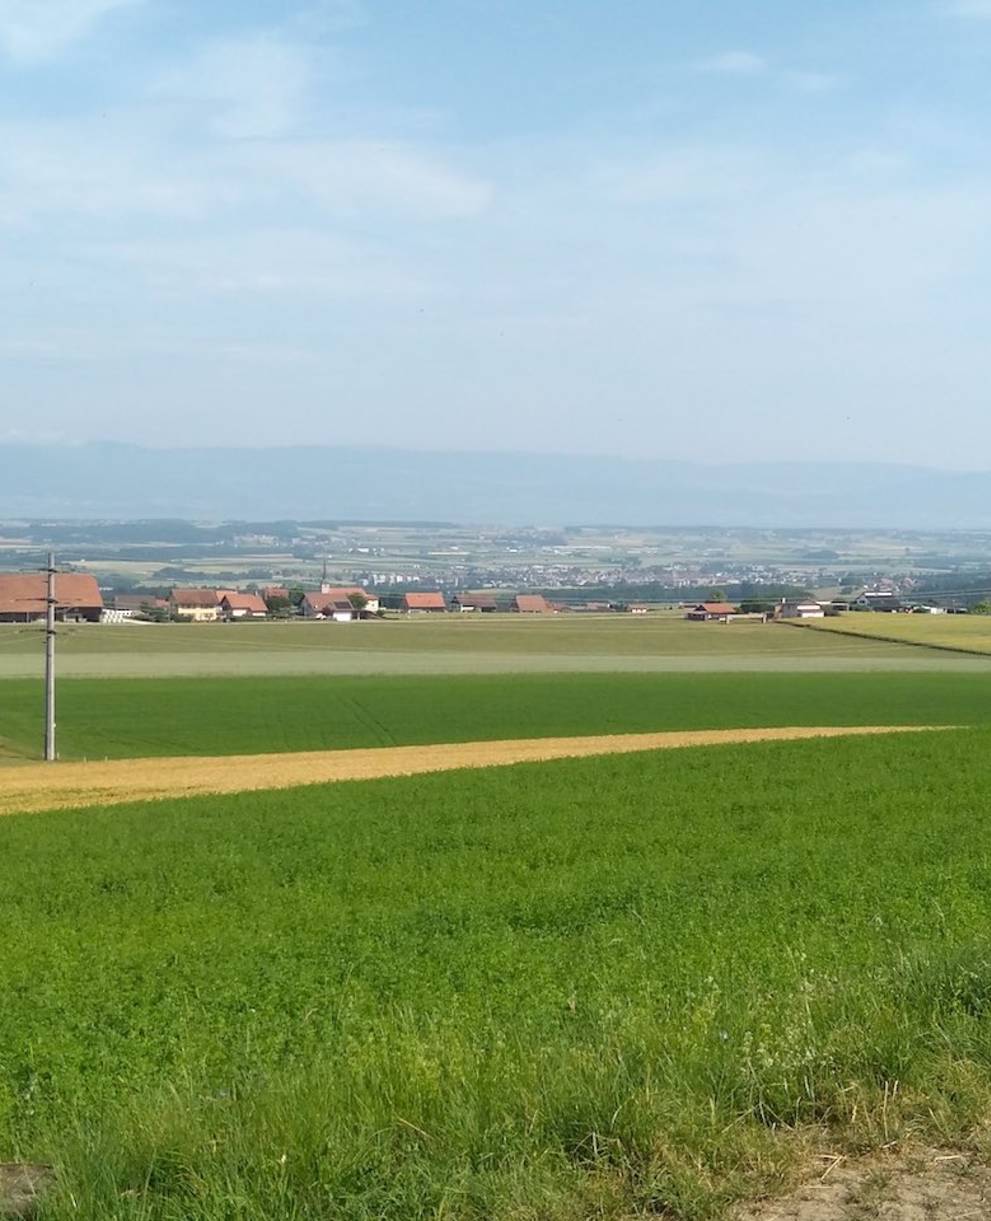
[124,718]
[971,633]
[634,985]
[455,644]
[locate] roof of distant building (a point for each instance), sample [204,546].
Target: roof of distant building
[196,597]
[533,604]
[252,603]
[27,593]
[425,601]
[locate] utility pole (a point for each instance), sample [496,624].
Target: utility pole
[50,663]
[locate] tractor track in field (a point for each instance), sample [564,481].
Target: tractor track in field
[40,786]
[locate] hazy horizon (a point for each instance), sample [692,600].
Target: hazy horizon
[713,233]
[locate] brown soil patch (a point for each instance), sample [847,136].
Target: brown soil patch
[41,786]
[926,1186]
[21,1186]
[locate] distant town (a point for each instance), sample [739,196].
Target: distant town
[343,572]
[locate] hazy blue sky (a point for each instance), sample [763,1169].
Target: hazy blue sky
[671,228]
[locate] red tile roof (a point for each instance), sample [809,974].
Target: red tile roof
[532,604]
[252,603]
[425,601]
[717,608]
[27,593]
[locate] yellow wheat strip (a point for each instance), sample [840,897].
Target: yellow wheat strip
[56,786]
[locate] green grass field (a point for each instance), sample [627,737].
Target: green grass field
[449,644]
[967,632]
[136,717]
[601,988]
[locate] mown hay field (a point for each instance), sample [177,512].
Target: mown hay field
[971,633]
[453,644]
[124,718]
[634,985]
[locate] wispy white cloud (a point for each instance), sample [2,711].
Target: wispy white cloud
[355,174]
[32,31]
[130,166]
[250,87]
[99,170]
[733,63]
[263,262]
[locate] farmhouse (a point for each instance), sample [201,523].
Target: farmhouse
[195,605]
[799,609]
[424,603]
[711,612]
[532,604]
[333,605]
[877,600]
[272,592]
[236,605]
[24,598]
[345,593]
[483,603]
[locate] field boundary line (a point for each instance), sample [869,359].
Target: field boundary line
[915,644]
[38,787]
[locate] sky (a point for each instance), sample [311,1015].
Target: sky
[712,230]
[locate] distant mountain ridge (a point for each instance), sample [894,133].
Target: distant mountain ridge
[110,480]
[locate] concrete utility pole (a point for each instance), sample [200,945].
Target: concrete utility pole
[50,663]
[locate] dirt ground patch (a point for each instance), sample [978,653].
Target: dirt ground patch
[57,786]
[928,1185]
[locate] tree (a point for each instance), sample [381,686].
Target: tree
[358,601]
[278,605]
[981,608]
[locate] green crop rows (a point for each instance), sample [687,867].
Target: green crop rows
[140,717]
[606,987]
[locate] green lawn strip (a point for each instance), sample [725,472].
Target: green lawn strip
[603,987]
[592,635]
[148,717]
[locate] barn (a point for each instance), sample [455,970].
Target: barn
[24,598]
[424,603]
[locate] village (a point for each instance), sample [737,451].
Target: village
[79,598]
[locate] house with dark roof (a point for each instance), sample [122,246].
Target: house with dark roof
[333,604]
[367,599]
[484,603]
[24,597]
